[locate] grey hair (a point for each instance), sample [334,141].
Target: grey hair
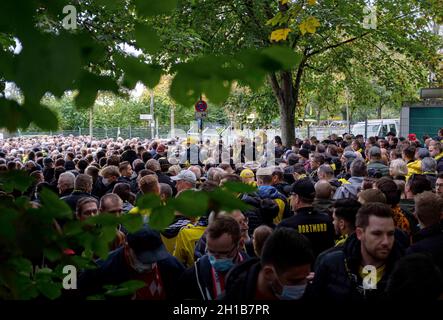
[428,164]
[398,167]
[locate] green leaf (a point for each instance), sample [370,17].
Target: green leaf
[52,254]
[161,217]
[100,247]
[155,7]
[136,70]
[72,228]
[43,117]
[44,272]
[47,63]
[103,219]
[6,63]
[147,38]
[285,56]
[132,222]
[54,206]
[15,179]
[126,288]
[88,85]
[26,289]
[184,90]
[217,90]
[7,220]
[227,201]
[51,290]
[13,116]
[81,262]
[239,187]
[148,201]
[191,203]
[21,265]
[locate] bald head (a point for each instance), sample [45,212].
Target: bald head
[196,171]
[111,203]
[323,190]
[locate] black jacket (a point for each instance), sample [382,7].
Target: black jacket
[196,282]
[101,189]
[115,270]
[163,178]
[124,180]
[324,205]
[282,187]
[429,240]
[263,211]
[74,197]
[241,281]
[315,225]
[337,274]
[48,174]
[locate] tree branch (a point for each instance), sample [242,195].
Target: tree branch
[333,46]
[275,87]
[317,69]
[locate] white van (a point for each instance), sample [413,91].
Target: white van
[379,127]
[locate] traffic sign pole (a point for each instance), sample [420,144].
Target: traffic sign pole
[200,113]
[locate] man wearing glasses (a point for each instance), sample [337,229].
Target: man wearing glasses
[205,280]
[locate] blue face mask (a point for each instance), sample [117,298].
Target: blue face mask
[221,265]
[292,292]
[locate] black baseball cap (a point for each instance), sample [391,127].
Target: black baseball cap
[147,245]
[303,188]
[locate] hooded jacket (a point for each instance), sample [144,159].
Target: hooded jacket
[169,235]
[115,270]
[270,192]
[350,189]
[414,167]
[263,211]
[377,169]
[337,275]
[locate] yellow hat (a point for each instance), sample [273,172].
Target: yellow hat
[247,173]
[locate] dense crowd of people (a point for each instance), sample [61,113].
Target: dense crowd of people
[339,219]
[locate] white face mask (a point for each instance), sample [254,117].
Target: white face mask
[106,182]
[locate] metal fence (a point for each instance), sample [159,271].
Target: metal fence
[162,132]
[211,131]
[102,133]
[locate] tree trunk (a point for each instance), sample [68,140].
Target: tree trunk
[287,124]
[287,93]
[379,111]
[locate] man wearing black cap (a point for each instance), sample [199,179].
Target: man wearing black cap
[314,224]
[143,258]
